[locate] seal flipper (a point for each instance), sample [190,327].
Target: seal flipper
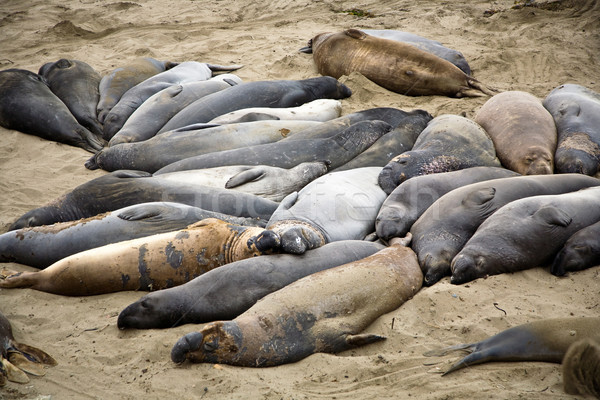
[13,373]
[138,214]
[243,177]
[23,363]
[34,354]
[363,339]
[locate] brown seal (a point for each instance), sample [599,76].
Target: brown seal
[581,367]
[149,263]
[394,65]
[522,130]
[323,312]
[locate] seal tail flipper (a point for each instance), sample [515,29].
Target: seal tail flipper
[13,373]
[477,89]
[34,354]
[363,339]
[21,362]
[14,279]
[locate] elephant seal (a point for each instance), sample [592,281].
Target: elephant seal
[114,84]
[271,183]
[159,108]
[576,113]
[411,198]
[188,71]
[18,358]
[336,150]
[545,340]
[431,46]
[522,130]
[337,206]
[581,251]
[525,233]
[44,245]
[276,94]
[149,263]
[391,64]
[397,141]
[169,147]
[76,84]
[322,312]
[448,143]
[28,105]
[243,282]
[444,228]
[124,188]
[581,367]
[317,110]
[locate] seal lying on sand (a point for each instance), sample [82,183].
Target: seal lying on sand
[581,368]
[243,283]
[17,358]
[581,251]
[149,263]
[394,65]
[323,312]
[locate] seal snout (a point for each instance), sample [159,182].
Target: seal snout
[265,241]
[464,268]
[184,345]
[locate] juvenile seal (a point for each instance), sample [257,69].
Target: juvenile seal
[169,147]
[448,143]
[444,228]
[114,84]
[411,198]
[18,358]
[576,113]
[276,93]
[394,65]
[581,251]
[323,312]
[544,340]
[581,367]
[525,233]
[76,84]
[243,282]
[124,188]
[337,150]
[42,246]
[522,130]
[28,105]
[149,263]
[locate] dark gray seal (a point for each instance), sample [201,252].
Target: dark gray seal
[124,188]
[411,198]
[576,112]
[525,233]
[276,93]
[581,251]
[242,282]
[336,150]
[76,84]
[442,231]
[28,105]
[448,143]
[42,246]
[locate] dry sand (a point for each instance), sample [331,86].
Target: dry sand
[532,49]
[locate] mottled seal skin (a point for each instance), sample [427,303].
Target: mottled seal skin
[425,44]
[397,141]
[169,147]
[581,367]
[576,113]
[336,150]
[525,233]
[124,188]
[28,105]
[243,282]
[76,84]
[323,312]
[42,246]
[337,206]
[149,263]
[276,93]
[114,84]
[581,251]
[394,65]
[444,228]
[159,108]
[411,198]
[448,143]
[188,71]
[523,132]
[18,358]
[544,340]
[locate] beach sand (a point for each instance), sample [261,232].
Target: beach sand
[533,49]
